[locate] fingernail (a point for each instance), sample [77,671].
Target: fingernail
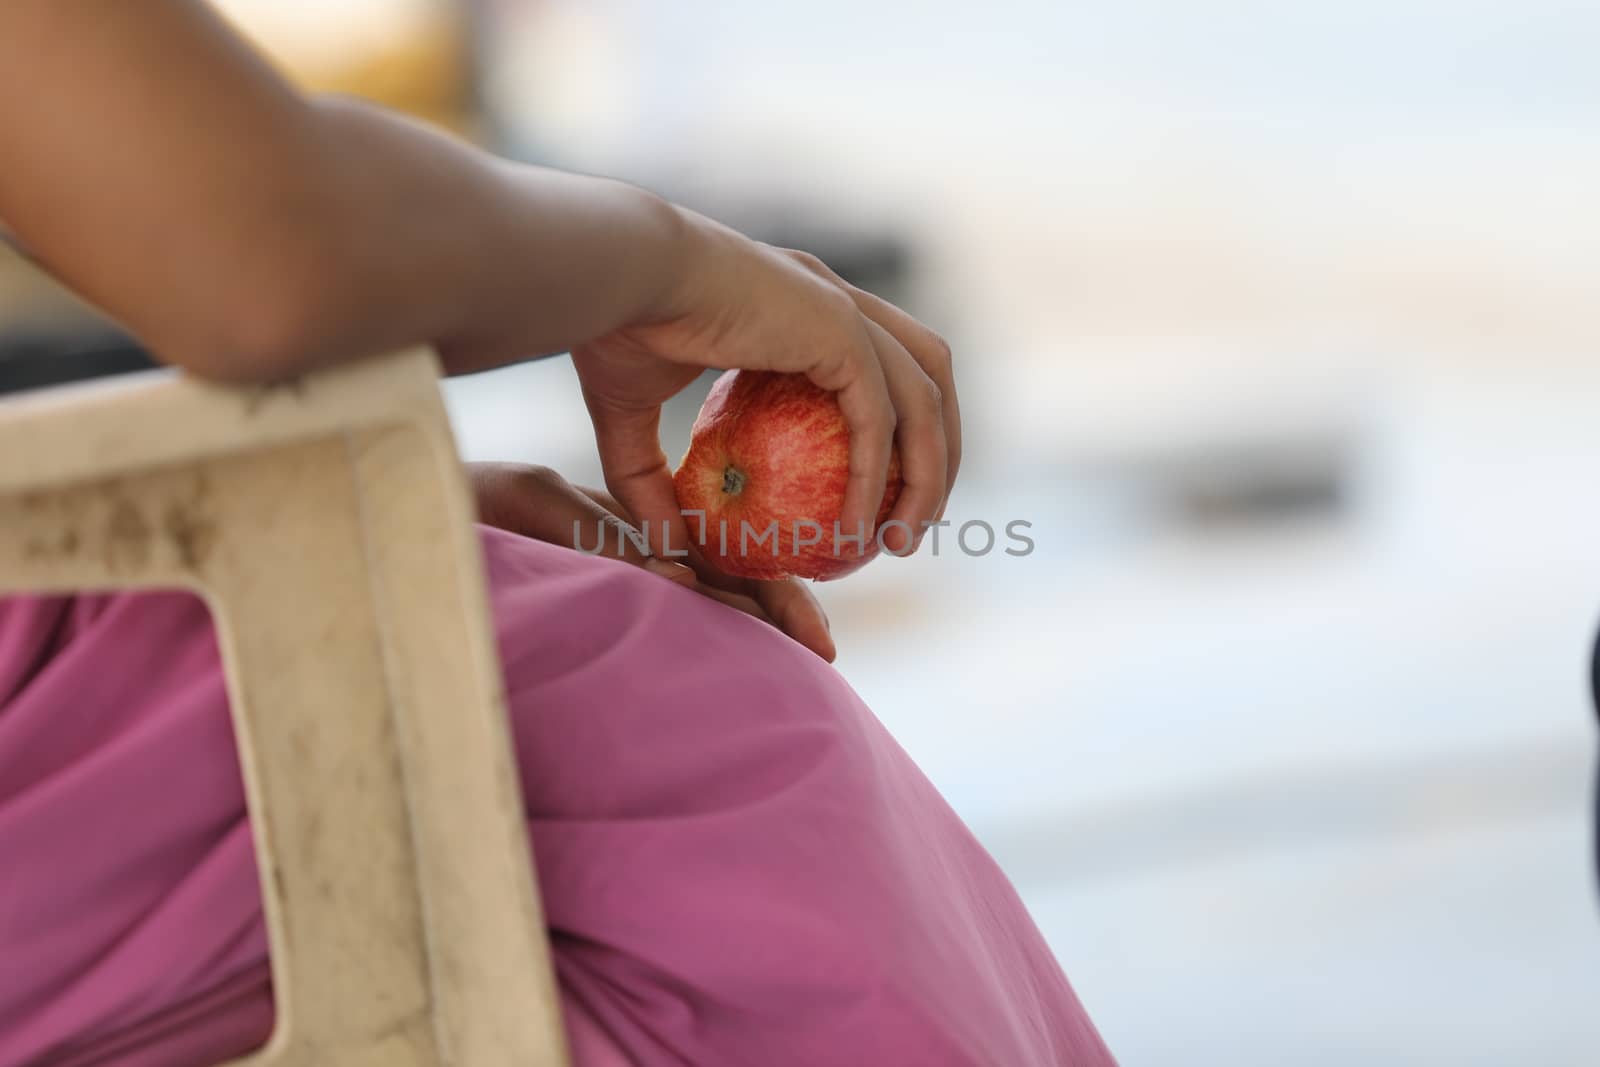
[676,572]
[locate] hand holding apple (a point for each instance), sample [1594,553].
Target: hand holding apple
[735,303]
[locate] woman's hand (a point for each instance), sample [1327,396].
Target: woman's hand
[736,303]
[367,232]
[537,502]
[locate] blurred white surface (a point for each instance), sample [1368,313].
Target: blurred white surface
[1308,788]
[1306,793]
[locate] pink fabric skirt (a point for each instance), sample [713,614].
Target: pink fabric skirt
[739,865]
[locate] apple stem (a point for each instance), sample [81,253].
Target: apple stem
[732,480]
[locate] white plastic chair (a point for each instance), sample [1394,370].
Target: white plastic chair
[328,526]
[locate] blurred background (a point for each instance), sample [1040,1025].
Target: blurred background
[1278,322]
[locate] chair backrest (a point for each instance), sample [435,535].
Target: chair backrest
[329,527]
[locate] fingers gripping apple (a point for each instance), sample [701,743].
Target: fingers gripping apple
[768,462]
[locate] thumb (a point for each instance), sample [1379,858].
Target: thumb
[636,473]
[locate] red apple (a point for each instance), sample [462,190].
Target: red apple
[768,461]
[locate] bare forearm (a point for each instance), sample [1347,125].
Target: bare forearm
[246,232]
[440,242]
